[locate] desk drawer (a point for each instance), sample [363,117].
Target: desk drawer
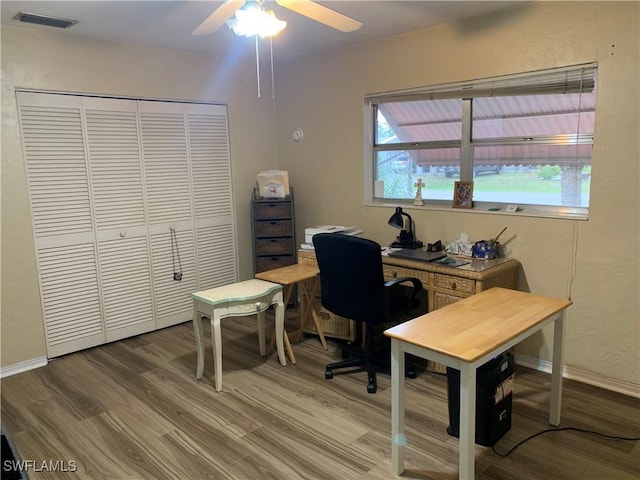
[274,246]
[391,272]
[457,284]
[442,300]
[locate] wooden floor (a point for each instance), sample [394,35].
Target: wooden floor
[133,410]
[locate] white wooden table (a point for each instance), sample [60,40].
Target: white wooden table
[237,299]
[464,336]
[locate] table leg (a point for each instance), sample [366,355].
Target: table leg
[197,330]
[316,322]
[398,438]
[466,443]
[261,333]
[216,340]
[314,288]
[555,408]
[304,310]
[308,292]
[288,290]
[287,345]
[280,328]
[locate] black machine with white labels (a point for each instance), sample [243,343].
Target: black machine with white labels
[494,399]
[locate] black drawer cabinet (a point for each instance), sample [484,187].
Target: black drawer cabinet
[273,229]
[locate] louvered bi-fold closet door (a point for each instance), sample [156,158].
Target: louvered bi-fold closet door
[212,199]
[188,188]
[168,191]
[124,194]
[121,229]
[60,193]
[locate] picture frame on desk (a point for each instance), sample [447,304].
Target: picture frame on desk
[463,195]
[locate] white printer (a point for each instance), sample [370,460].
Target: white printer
[311,231]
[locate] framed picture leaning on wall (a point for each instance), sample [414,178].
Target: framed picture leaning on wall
[463,195]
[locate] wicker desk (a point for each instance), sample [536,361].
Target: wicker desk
[444,285]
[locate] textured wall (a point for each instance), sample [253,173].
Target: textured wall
[324,97]
[49,60]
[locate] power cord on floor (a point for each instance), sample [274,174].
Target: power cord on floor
[574,429]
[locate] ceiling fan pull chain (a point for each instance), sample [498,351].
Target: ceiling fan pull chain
[273,85]
[257,64]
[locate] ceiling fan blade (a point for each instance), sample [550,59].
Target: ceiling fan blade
[218,17]
[321,14]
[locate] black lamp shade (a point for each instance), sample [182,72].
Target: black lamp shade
[396,219]
[405,238]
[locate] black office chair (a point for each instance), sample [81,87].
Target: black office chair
[352,286]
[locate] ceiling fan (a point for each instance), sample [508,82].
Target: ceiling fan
[308,8]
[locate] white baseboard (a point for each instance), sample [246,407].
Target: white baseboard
[584,376]
[23,366]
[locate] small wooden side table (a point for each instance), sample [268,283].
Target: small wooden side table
[307,277]
[236,300]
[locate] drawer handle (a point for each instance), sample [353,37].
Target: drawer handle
[273,223]
[394,274]
[454,286]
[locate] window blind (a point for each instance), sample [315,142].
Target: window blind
[572,79]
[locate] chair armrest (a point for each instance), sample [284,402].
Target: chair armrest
[416,286]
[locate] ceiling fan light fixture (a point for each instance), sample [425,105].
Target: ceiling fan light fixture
[251,20]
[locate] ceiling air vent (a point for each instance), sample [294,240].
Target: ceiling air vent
[44,20]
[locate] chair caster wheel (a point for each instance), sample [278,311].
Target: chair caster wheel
[372,388]
[411,374]
[328,374]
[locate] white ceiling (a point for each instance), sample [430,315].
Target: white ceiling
[170,23]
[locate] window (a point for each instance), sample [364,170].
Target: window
[522,139]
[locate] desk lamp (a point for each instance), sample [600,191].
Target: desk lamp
[405,239]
